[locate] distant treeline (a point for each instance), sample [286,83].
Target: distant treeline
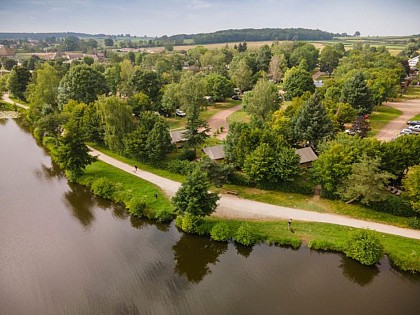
[250,34]
[42,36]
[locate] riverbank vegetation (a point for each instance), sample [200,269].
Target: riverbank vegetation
[127,105]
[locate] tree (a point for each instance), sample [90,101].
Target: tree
[312,124]
[140,102]
[218,87]
[366,182]
[356,34]
[171,99]
[356,93]
[159,142]
[329,59]
[296,82]
[193,197]
[263,101]
[271,164]
[8,63]
[43,91]
[108,42]
[192,90]
[18,81]
[363,246]
[412,185]
[3,84]
[240,73]
[307,52]
[277,67]
[116,116]
[113,78]
[72,154]
[88,60]
[147,82]
[217,173]
[83,84]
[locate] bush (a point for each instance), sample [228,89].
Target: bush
[104,188]
[136,207]
[189,223]
[395,205]
[204,228]
[164,215]
[406,262]
[220,232]
[178,221]
[181,167]
[364,247]
[244,235]
[414,223]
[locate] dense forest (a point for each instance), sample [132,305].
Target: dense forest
[251,34]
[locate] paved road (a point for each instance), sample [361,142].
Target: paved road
[230,206]
[7,99]
[220,120]
[409,109]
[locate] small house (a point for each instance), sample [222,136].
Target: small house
[6,52]
[178,137]
[216,152]
[307,156]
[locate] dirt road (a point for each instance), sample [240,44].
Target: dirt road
[220,120]
[409,109]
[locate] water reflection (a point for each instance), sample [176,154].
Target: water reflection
[126,309]
[81,202]
[49,172]
[140,223]
[243,250]
[193,254]
[358,273]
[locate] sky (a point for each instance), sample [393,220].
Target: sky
[169,17]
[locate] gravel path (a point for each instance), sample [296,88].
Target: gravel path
[220,120]
[230,206]
[409,109]
[7,99]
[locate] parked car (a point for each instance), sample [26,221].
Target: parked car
[180,113]
[408,132]
[413,122]
[236,97]
[415,128]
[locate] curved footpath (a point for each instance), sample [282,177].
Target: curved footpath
[233,207]
[7,99]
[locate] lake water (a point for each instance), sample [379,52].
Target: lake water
[64,251]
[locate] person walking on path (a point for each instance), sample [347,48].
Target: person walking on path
[135,168]
[289,224]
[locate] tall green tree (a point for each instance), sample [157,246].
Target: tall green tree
[263,101]
[296,82]
[218,87]
[18,81]
[147,82]
[277,67]
[193,197]
[366,183]
[312,123]
[357,94]
[241,74]
[83,84]
[117,119]
[329,59]
[72,154]
[306,51]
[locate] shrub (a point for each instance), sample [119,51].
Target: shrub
[189,223]
[414,223]
[204,228]
[363,246]
[104,188]
[178,221]
[406,262]
[164,215]
[220,232]
[181,167]
[395,205]
[136,207]
[244,235]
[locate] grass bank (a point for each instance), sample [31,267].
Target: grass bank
[404,253]
[381,116]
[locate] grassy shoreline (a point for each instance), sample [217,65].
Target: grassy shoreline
[403,252]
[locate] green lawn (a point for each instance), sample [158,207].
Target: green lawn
[381,116]
[417,117]
[310,203]
[239,116]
